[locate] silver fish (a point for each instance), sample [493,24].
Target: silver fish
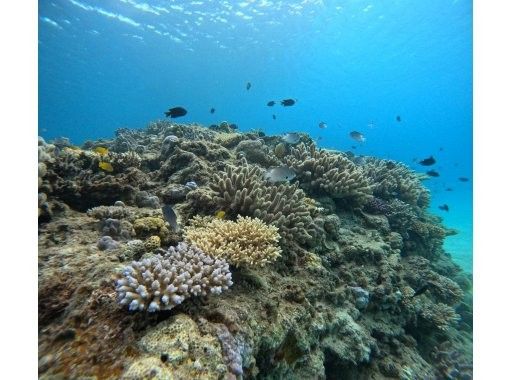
[170,217]
[357,136]
[280,174]
[291,138]
[322,125]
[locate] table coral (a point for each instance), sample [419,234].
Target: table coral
[247,241]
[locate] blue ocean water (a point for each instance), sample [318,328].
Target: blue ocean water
[355,65]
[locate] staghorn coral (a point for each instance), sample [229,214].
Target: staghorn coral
[248,241]
[163,282]
[243,190]
[390,179]
[331,173]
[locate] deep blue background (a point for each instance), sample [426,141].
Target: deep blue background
[110,64]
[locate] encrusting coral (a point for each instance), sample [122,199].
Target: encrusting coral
[247,241]
[163,282]
[331,173]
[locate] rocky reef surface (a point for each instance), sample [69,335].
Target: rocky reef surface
[339,274]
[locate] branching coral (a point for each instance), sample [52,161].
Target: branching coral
[248,241]
[243,190]
[390,180]
[162,282]
[330,173]
[440,315]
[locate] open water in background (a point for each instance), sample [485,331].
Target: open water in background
[354,65]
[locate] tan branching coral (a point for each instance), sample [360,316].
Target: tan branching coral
[243,190]
[390,179]
[328,172]
[248,241]
[440,315]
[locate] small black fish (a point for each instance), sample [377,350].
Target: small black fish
[421,290]
[449,189]
[441,149]
[176,112]
[399,119]
[433,173]
[353,146]
[463,179]
[233,126]
[274,117]
[271,103]
[288,102]
[428,161]
[390,165]
[248,86]
[170,217]
[444,207]
[213,110]
[322,125]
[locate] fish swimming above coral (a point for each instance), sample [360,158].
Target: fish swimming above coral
[280,174]
[358,136]
[170,217]
[422,289]
[101,150]
[271,103]
[291,138]
[248,86]
[444,207]
[322,125]
[288,102]
[432,173]
[106,166]
[175,112]
[428,161]
[212,110]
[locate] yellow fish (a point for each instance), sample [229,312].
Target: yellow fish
[106,166]
[220,214]
[101,150]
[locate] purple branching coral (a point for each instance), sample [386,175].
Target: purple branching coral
[162,282]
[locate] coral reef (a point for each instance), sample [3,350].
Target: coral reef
[243,190]
[247,241]
[322,171]
[390,180]
[361,289]
[162,282]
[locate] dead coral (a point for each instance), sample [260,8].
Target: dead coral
[321,171]
[246,242]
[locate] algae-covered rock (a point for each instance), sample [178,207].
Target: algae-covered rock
[176,347]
